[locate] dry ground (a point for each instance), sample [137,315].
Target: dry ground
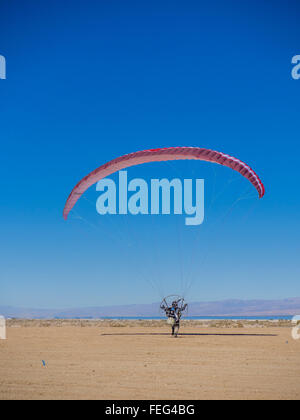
[139,360]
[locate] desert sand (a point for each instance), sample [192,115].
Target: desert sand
[140,360]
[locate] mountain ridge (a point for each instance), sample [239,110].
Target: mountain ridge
[228,307]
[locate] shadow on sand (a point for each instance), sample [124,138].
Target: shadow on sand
[198,334]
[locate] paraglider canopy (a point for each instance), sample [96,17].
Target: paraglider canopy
[159,155]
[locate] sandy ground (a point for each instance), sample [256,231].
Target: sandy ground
[140,360]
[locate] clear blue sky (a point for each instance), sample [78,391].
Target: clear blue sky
[88,81]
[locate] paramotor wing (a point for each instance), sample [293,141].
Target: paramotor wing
[158,155]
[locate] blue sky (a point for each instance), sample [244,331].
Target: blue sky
[89,81]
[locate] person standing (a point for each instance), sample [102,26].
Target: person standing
[174,313]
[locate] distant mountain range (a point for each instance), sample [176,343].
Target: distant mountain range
[233,307]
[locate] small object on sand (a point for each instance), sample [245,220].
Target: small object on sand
[44,363]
